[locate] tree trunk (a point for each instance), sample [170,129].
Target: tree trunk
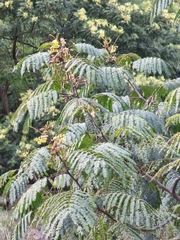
[4,98]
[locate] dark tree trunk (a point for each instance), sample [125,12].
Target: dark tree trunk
[4,98]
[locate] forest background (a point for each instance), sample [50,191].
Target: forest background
[111,73]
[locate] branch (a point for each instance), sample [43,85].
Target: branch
[160,185]
[135,89]
[75,180]
[97,127]
[175,185]
[152,229]
[68,172]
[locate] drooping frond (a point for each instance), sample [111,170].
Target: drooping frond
[152,65]
[91,50]
[74,134]
[177,15]
[80,107]
[175,164]
[21,227]
[132,210]
[122,232]
[173,120]
[99,161]
[29,197]
[130,125]
[152,119]
[173,100]
[82,68]
[113,102]
[149,151]
[35,164]
[17,187]
[172,147]
[112,78]
[67,211]
[159,6]
[106,78]
[173,84]
[62,181]
[38,163]
[5,177]
[38,102]
[35,62]
[112,230]
[41,102]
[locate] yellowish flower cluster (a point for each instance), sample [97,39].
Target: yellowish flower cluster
[42,139]
[114,28]
[156,26]
[25,14]
[94,24]
[97,1]
[29,4]
[1,5]
[8,4]
[24,148]
[113,1]
[81,14]
[101,22]
[126,9]
[147,6]
[3,133]
[34,19]
[101,33]
[169,16]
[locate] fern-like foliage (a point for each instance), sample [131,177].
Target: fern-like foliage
[37,103]
[21,227]
[127,124]
[29,197]
[35,62]
[175,164]
[62,181]
[34,165]
[152,65]
[105,77]
[81,68]
[159,6]
[74,134]
[171,85]
[113,102]
[112,230]
[98,161]
[173,120]
[173,100]
[68,211]
[91,50]
[152,119]
[80,107]
[5,177]
[132,210]
[41,102]
[172,147]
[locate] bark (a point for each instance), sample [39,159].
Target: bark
[4,98]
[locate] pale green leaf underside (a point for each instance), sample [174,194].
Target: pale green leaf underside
[152,65]
[35,62]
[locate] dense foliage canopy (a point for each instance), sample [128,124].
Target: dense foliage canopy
[90,123]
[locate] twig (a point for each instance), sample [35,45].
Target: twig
[135,89]
[68,172]
[97,127]
[172,191]
[175,185]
